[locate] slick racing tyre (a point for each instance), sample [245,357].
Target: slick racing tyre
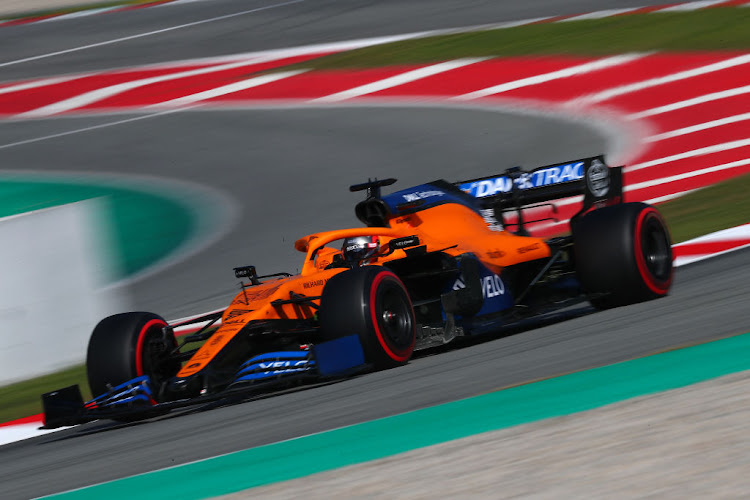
[623,254]
[372,302]
[129,345]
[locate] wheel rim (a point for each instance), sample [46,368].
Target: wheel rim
[656,249]
[155,355]
[397,322]
[393,318]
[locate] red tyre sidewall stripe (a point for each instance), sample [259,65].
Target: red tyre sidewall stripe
[650,282]
[406,353]
[139,346]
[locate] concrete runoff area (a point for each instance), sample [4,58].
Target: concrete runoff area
[692,442]
[55,269]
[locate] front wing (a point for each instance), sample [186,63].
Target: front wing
[136,399]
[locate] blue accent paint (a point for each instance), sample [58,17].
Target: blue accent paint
[275,356]
[497,296]
[142,383]
[547,176]
[429,195]
[138,398]
[272,374]
[339,356]
[276,365]
[134,390]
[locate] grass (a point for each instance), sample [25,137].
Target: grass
[711,209]
[712,29]
[23,398]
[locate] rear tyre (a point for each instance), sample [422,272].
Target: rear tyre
[129,345]
[373,303]
[623,254]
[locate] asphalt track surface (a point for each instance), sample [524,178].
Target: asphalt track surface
[708,301]
[245,155]
[307,157]
[290,171]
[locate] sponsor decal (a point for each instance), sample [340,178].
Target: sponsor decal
[232,316]
[527,180]
[215,340]
[597,178]
[194,365]
[404,220]
[459,284]
[421,195]
[495,254]
[488,215]
[360,246]
[231,328]
[528,248]
[253,293]
[404,242]
[278,367]
[282,364]
[314,283]
[492,286]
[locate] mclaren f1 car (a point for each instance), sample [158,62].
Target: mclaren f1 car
[432,263]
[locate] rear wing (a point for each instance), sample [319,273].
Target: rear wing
[590,177]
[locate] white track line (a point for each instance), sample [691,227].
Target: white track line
[684,7]
[80,13]
[715,96]
[149,33]
[12,433]
[403,78]
[87,129]
[697,128]
[687,175]
[669,197]
[732,234]
[598,15]
[580,69]
[689,259]
[100,94]
[715,148]
[653,82]
[227,89]
[38,83]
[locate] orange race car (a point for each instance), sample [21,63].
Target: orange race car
[433,262]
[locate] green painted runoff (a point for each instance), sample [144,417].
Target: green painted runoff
[146,227]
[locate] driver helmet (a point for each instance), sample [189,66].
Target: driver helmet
[360,248]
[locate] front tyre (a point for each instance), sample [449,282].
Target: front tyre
[623,254]
[129,345]
[373,303]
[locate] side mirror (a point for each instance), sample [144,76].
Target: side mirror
[404,242]
[246,272]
